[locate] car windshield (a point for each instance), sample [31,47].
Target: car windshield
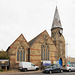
[53,66]
[32,64]
[50,66]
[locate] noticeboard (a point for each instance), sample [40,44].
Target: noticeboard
[55,62]
[46,63]
[4,62]
[68,63]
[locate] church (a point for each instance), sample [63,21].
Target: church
[41,48]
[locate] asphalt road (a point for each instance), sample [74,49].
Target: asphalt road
[37,73]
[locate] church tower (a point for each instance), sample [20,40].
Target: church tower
[58,38]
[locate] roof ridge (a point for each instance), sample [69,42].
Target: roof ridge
[34,39]
[19,37]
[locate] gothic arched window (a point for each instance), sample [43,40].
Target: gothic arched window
[18,55]
[42,47]
[21,54]
[24,55]
[44,52]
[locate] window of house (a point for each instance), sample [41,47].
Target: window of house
[20,54]
[48,54]
[44,52]
[23,55]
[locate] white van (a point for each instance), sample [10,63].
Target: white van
[24,66]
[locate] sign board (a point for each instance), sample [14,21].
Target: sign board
[68,62]
[55,62]
[4,62]
[46,63]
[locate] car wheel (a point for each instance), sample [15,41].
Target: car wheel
[50,71]
[69,70]
[25,70]
[37,68]
[61,71]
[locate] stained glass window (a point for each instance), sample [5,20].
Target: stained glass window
[44,52]
[21,54]
[48,54]
[18,55]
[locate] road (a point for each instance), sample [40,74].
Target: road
[37,73]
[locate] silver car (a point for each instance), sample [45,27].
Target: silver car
[70,67]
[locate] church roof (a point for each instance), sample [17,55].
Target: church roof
[21,38]
[33,40]
[56,20]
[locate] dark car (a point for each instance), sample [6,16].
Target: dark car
[53,68]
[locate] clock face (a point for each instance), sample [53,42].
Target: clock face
[61,31]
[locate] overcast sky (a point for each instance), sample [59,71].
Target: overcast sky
[31,17]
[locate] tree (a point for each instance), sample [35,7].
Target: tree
[4,55]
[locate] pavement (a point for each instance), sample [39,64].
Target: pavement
[39,72]
[17,71]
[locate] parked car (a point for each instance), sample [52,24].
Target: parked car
[53,68]
[70,67]
[25,66]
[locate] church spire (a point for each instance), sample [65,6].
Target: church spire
[56,20]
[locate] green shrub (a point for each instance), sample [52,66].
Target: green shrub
[1,70]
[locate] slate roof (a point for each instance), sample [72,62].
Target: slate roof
[33,40]
[56,20]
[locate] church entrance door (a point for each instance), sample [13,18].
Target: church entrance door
[60,61]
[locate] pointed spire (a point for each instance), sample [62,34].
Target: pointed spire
[56,20]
